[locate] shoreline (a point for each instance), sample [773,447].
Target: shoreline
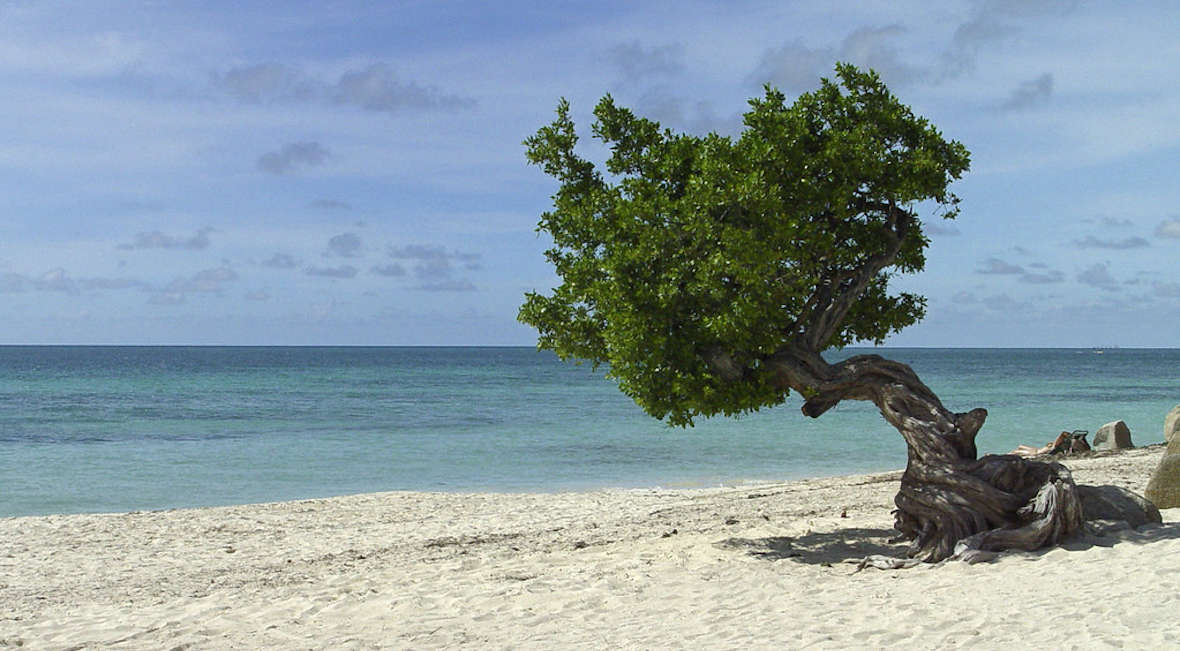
[726,566]
[687,486]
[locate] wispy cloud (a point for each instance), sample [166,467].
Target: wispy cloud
[59,280]
[12,283]
[1114,222]
[997,266]
[1038,278]
[1003,303]
[393,270]
[166,298]
[111,283]
[1042,276]
[448,285]
[293,156]
[435,267]
[206,281]
[330,205]
[940,228]
[1166,290]
[634,62]
[1091,242]
[158,240]
[1030,93]
[796,67]
[344,245]
[1169,228]
[375,87]
[281,261]
[1097,275]
[343,271]
[992,23]
[268,82]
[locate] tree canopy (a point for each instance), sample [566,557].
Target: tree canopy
[688,263]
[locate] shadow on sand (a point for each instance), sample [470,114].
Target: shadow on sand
[820,548]
[854,544]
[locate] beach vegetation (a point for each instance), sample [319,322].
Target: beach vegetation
[710,273]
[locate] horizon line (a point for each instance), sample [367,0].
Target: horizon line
[858,347]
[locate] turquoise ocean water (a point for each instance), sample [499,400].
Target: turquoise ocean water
[104,429]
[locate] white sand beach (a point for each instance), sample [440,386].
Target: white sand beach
[740,567]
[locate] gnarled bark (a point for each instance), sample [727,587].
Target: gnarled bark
[951,503]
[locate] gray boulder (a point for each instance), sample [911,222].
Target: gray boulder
[1113,436]
[1172,424]
[1117,503]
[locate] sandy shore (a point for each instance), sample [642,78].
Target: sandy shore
[748,567]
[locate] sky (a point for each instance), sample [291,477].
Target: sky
[352,173]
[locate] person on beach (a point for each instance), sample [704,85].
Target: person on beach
[1065,442]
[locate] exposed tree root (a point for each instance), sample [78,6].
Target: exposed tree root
[951,504]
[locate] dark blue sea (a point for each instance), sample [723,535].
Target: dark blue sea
[108,429]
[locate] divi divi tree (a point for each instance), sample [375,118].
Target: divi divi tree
[711,273]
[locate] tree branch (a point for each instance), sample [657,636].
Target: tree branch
[834,299]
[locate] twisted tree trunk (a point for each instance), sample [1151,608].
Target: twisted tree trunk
[951,503]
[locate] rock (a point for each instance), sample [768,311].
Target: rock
[1164,488]
[1117,503]
[1113,436]
[1172,424]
